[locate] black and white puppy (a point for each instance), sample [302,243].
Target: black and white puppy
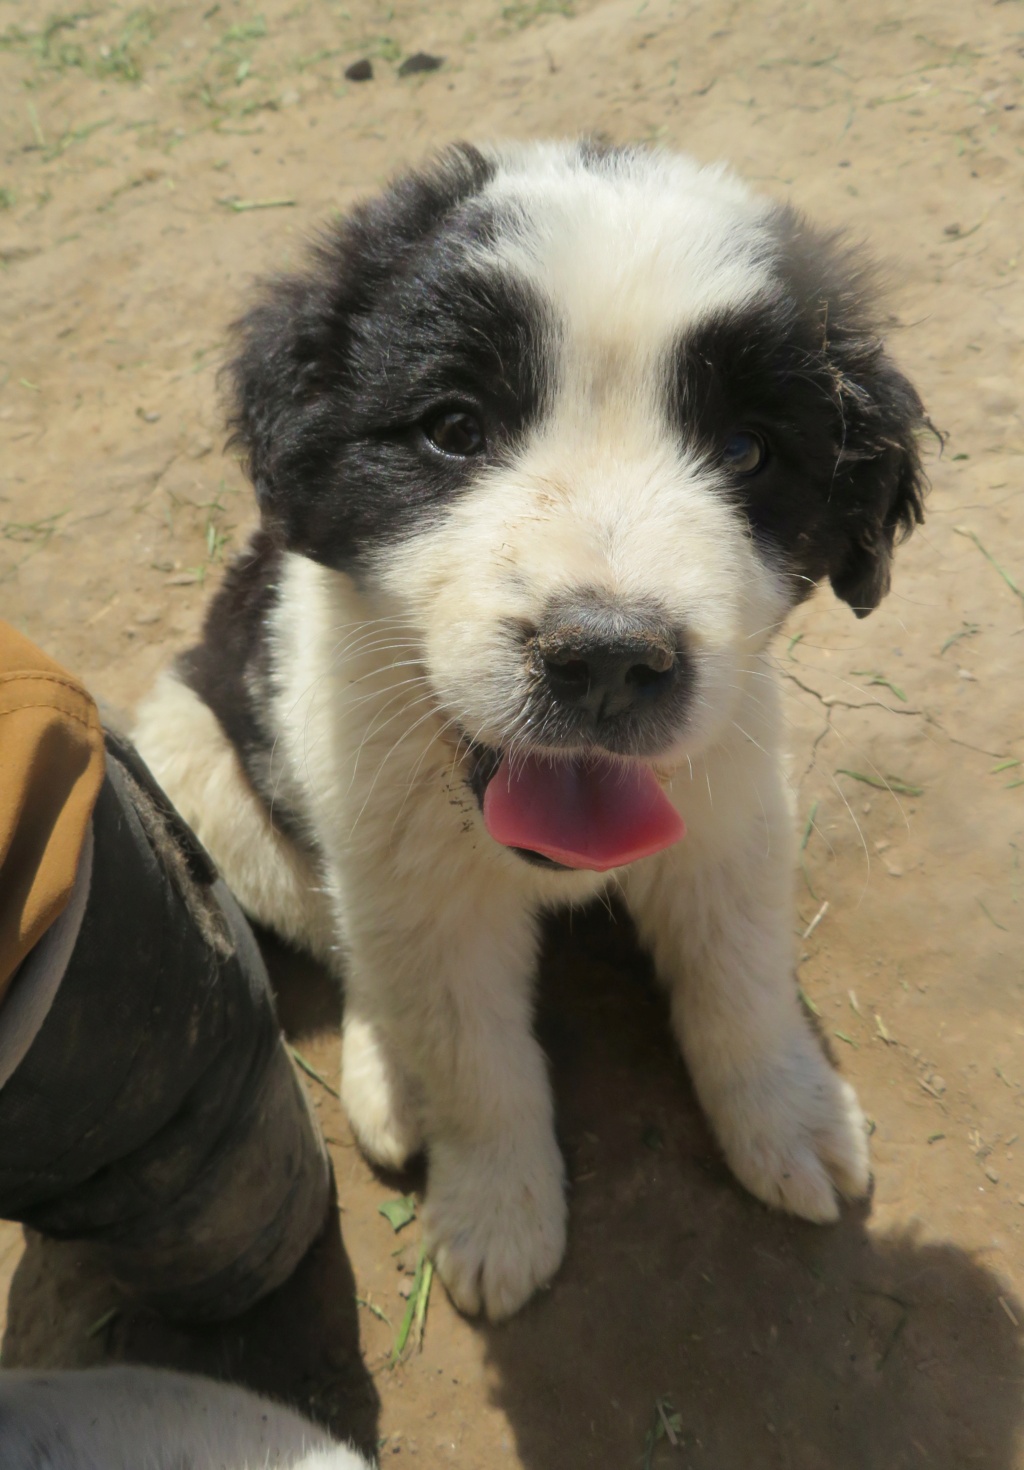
[547,442]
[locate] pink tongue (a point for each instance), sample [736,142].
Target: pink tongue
[597,815]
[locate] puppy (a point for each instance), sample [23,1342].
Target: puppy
[547,441]
[145,1419]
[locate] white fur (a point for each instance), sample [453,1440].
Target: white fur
[599,240]
[275,882]
[146,1419]
[381,683]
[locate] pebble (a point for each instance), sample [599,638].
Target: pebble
[420,61]
[360,71]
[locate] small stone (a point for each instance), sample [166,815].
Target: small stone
[360,71]
[952,230]
[993,1175]
[939,1083]
[420,61]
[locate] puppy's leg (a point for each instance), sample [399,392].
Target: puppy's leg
[444,990]
[719,925]
[377,1094]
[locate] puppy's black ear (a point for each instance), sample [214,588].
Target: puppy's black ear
[281,371]
[880,479]
[873,483]
[294,385]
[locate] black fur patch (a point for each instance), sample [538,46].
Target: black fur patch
[806,370]
[338,367]
[232,669]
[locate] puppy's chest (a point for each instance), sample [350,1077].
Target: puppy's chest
[395,801]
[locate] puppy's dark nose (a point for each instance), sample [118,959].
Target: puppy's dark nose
[604,661]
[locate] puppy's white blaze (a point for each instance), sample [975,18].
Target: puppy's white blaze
[629,253]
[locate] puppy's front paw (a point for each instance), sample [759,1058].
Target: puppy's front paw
[377,1098]
[495,1223]
[794,1134]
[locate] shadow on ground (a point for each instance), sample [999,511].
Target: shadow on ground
[777,1344]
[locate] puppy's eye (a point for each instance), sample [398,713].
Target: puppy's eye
[744,453]
[456,432]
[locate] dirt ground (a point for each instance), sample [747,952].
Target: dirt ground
[154,161]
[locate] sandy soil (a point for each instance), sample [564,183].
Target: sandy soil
[153,162]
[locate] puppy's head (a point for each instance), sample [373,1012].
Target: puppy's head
[595,421]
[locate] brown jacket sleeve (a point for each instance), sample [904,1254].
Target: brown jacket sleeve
[51,769]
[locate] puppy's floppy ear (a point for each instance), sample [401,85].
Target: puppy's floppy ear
[294,389]
[876,485]
[277,377]
[881,480]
